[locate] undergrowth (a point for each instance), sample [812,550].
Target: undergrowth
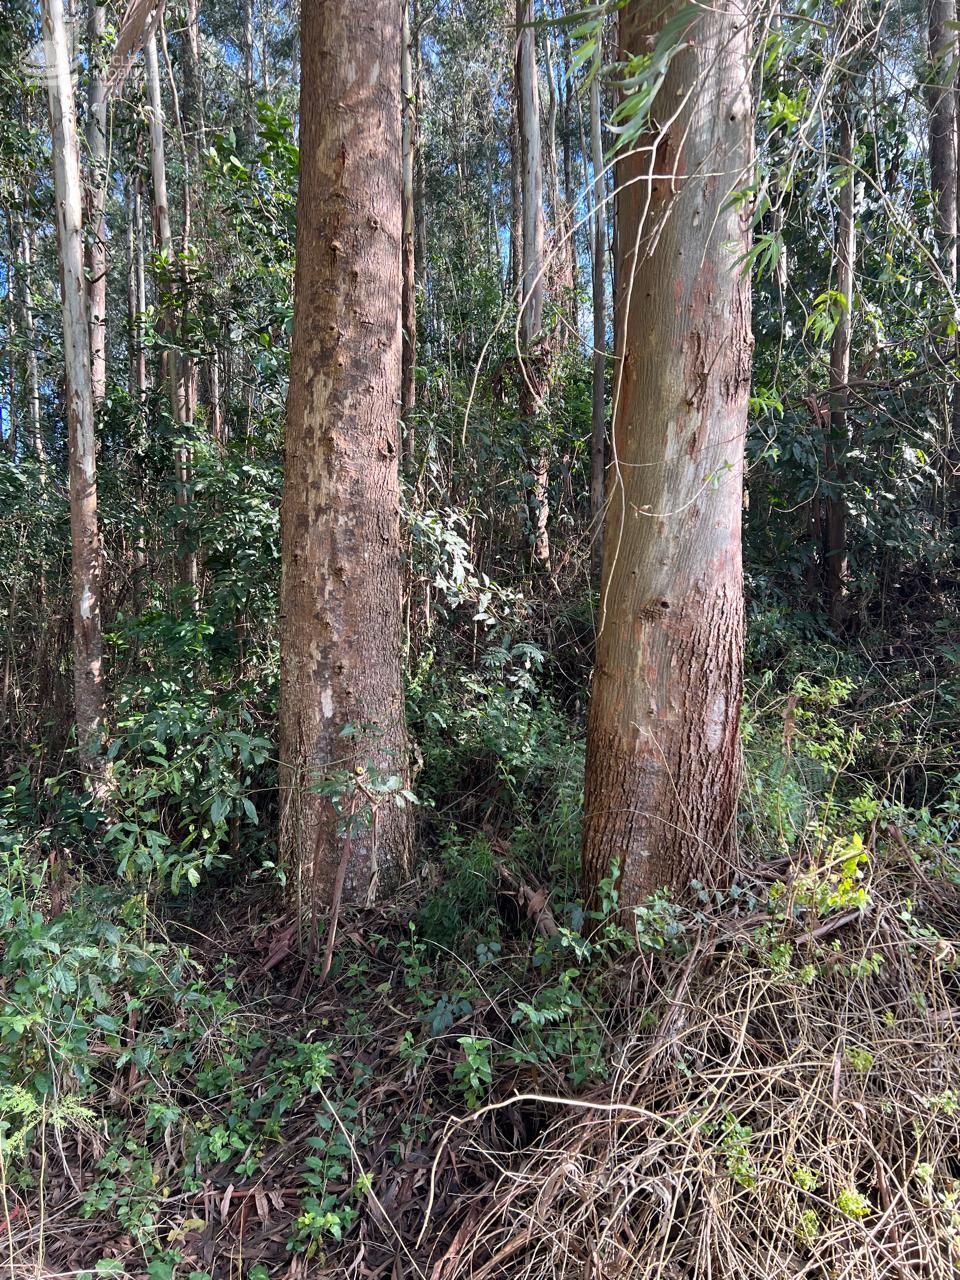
[491,1082]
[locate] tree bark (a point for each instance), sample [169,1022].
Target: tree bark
[96,200]
[84,531]
[942,132]
[408,389]
[837,442]
[340,652]
[663,753]
[136,302]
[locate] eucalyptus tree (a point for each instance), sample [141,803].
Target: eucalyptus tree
[342,732]
[84,529]
[663,752]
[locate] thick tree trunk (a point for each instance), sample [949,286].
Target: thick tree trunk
[176,368]
[84,531]
[96,200]
[340,655]
[663,754]
[837,442]
[533,372]
[408,387]
[598,432]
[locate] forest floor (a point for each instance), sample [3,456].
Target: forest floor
[756,1084]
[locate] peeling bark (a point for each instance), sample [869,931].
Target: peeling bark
[341,589]
[663,753]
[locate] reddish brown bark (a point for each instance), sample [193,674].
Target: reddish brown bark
[340,598]
[663,754]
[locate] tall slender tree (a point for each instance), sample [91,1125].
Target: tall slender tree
[84,529]
[96,198]
[341,698]
[663,753]
[598,431]
[533,373]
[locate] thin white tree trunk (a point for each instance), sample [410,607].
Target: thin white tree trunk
[533,373]
[85,538]
[96,200]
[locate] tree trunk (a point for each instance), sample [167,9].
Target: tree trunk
[560,239]
[175,367]
[249,93]
[84,531]
[835,550]
[136,303]
[408,389]
[193,107]
[29,328]
[340,655]
[12,275]
[96,199]
[598,433]
[663,753]
[533,371]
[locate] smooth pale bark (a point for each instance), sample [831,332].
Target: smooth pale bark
[598,431]
[84,531]
[96,200]
[663,753]
[837,442]
[533,377]
[136,302]
[408,386]
[249,92]
[194,106]
[531,174]
[29,329]
[175,367]
[340,647]
[561,270]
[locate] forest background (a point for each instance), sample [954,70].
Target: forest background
[313,959]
